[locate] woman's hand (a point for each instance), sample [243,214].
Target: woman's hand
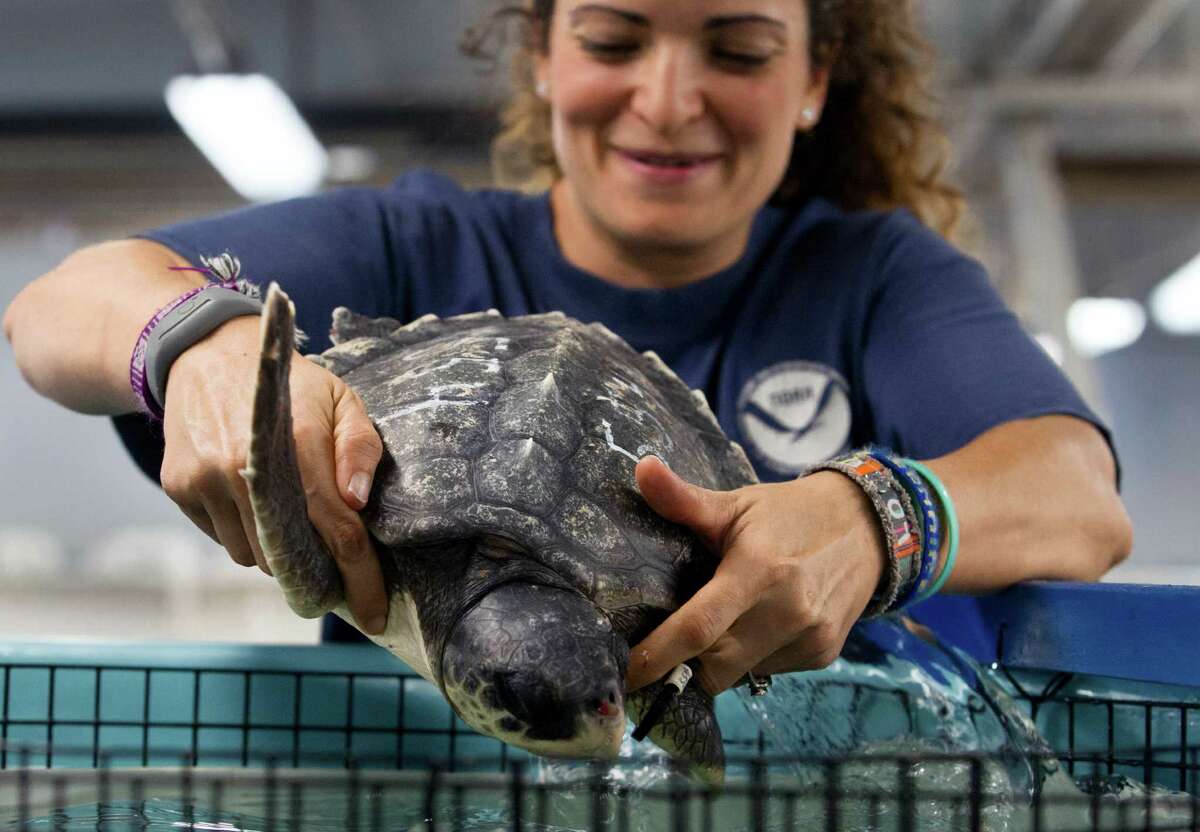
[799,562]
[208,409]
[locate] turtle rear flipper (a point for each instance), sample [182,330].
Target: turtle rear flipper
[293,549]
[688,730]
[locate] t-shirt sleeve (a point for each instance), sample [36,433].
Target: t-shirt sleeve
[945,359]
[325,251]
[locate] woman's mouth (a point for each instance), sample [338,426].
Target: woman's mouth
[667,169]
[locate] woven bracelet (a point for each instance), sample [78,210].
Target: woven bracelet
[896,517]
[930,531]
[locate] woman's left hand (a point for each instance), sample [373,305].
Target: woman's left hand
[799,562]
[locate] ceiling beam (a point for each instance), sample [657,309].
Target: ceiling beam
[983,108]
[1066,94]
[1145,29]
[1041,37]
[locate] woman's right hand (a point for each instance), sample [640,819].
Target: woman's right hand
[208,409]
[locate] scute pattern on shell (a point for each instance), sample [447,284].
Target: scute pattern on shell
[528,429]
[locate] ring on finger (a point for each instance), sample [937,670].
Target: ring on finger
[759,685]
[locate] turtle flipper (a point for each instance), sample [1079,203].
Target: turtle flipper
[688,730]
[294,551]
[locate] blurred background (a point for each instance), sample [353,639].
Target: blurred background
[1076,128]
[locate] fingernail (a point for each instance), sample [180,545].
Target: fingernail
[377,625]
[360,486]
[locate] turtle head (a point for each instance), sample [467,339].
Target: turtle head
[541,668]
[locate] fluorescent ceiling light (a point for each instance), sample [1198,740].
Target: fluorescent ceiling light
[1099,325]
[250,131]
[1175,303]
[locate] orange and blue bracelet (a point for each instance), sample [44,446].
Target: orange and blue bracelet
[898,519]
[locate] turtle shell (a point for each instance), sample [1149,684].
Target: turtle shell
[525,432]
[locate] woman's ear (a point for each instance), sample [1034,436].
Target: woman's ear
[541,74]
[814,99]
[539,41]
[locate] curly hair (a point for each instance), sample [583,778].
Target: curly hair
[878,144]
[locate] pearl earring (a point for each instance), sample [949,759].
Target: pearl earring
[543,89]
[809,114]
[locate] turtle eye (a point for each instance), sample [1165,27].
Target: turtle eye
[494,547]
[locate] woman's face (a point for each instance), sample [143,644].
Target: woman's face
[673,120]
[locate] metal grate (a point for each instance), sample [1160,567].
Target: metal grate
[364,741]
[157,715]
[145,716]
[1151,739]
[767,794]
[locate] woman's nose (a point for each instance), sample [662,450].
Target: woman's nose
[669,94]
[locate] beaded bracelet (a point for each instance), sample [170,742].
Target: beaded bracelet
[897,519]
[930,538]
[951,519]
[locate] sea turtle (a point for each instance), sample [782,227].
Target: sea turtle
[520,560]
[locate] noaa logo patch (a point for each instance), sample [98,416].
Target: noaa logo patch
[795,414]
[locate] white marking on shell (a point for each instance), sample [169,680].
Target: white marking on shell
[705,410]
[548,387]
[634,413]
[491,365]
[475,316]
[613,446]
[428,404]
[525,449]
[619,386]
[457,386]
[502,344]
[403,637]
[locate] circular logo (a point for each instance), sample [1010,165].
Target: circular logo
[795,414]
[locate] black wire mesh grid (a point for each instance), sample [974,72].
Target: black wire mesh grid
[367,741]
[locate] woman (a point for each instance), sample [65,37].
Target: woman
[722,180]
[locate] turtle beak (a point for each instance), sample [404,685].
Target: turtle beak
[540,668]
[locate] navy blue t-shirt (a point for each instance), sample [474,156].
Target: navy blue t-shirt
[832,331]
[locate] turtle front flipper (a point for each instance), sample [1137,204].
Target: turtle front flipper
[688,729]
[294,551]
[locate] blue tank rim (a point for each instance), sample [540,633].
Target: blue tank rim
[1138,632]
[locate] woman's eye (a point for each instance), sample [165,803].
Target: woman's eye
[742,59]
[609,48]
